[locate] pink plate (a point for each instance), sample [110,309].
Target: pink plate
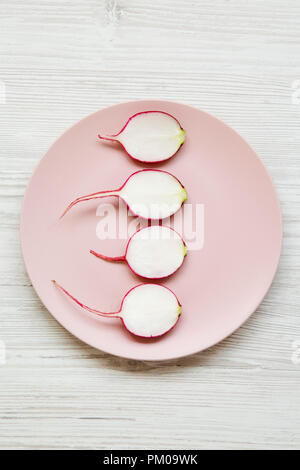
[219,285]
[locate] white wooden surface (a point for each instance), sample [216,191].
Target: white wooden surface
[63,59]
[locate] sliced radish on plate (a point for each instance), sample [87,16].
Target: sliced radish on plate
[147,310]
[152,252]
[150,136]
[150,194]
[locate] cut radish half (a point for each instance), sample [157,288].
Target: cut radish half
[147,310]
[150,194]
[150,136]
[152,252]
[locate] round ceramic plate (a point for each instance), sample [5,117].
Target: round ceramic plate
[231,219]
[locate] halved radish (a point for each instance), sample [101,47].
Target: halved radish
[147,310]
[152,252]
[150,136]
[150,194]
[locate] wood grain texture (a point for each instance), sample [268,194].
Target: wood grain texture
[63,59]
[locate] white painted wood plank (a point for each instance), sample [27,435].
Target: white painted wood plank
[63,59]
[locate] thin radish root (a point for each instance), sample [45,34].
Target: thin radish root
[108,258]
[85,307]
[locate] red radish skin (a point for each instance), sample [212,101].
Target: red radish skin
[118,314]
[114,137]
[115,193]
[124,257]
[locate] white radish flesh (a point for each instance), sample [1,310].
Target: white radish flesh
[147,310]
[150,194]
[150,136]
[153,252]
